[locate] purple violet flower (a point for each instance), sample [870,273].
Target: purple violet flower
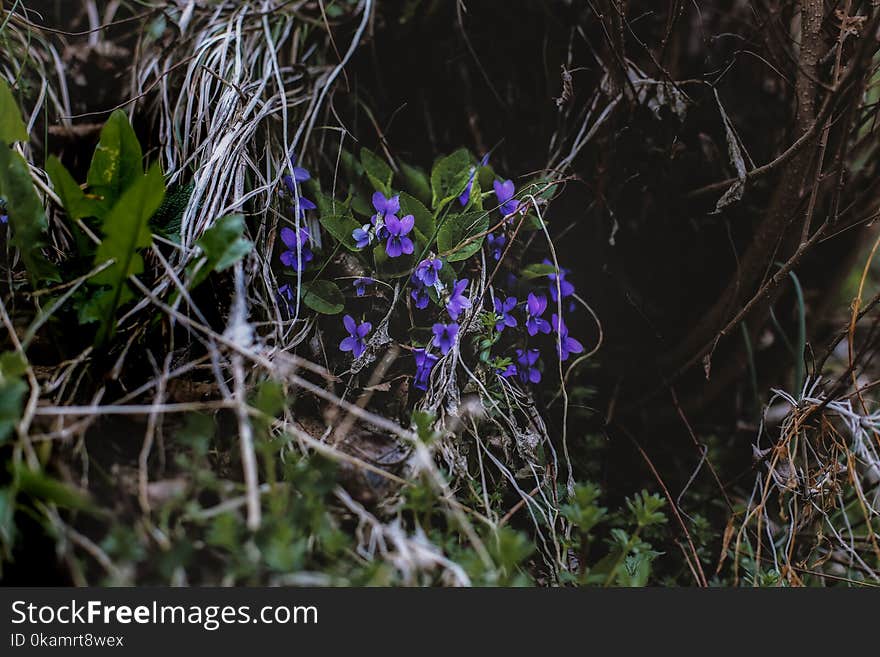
[304,205]
[535,307]
[386,208]
[398,229]
[504,192]
[361,284]
[565,345]
[457,301]
[496,244]
[527,371]
[444,336]
[507,372]
[296,241]
[356,333]
[425,362]
[362,236]
[4,218]
[427,270]
[465,197]
[287,294]
[502,309]
[300,175]
[419,294]
[565,287]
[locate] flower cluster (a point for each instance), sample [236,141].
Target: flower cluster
[508,336]
[298,242]
[385,225]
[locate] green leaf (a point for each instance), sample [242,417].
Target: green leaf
[169,216]
[537,270]
[392,267]
[118,160]
[326,204]
[26,214]
[424,220]
[126,230]
[73,198]
[323,297]
[457,237]
[222,246]
[416,182]
[12,391]
[449,177]
[7,522]
[41,486]
[12,128]
[341,226]
[377,170]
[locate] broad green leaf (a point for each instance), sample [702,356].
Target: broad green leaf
[416,182]
[323,297]
[73,198]
[222,246]
[169,216]
[326,203]
[537,270]
[458,236]
[118,160]
[12,128]
[449,177]
[377,170]
[362,207]
[353,169]
[392,267]
[486,176]
[126,230]
[41,486]
[26,214]
[341,226]
[424,220]
[12,391]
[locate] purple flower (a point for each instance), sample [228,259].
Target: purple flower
[502,309]
[286,293]
[427,270]
[361,284]
[424,364]
[504,192]
[535,307]
[507,372]
[420,294]
[457,301]
[385,206]
[304,204]
[299,175]
[398,229]
[566,345]
[527,371]
[4,218]
[444,336]
[496,244]
[296,242]
[465,197]
[362,236]
[565,287]
[356,333]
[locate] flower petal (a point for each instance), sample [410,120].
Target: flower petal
[350,324]
[288,236]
